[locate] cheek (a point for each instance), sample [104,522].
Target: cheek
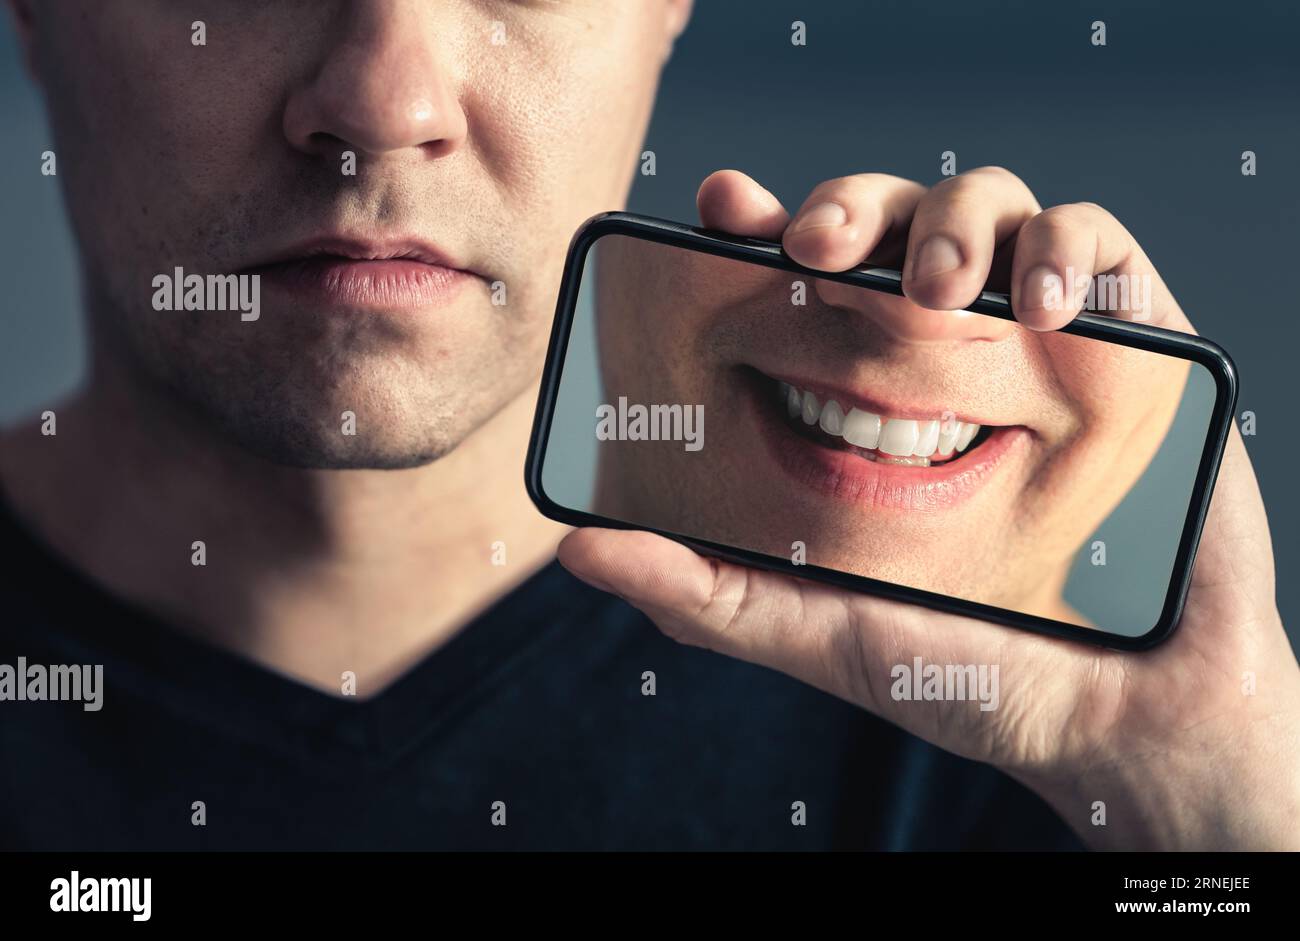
[152,131]
[1123,401]
[657,305]
[1113,389]
[559,119]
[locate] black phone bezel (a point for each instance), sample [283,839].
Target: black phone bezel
[770,254]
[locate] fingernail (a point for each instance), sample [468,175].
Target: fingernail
[1042,290]
[938,254]
[820,216]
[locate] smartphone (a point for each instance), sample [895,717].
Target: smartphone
[708,388]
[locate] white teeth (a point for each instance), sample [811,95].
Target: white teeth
[927,439]
[862,429]
[898,440]
[898,437]
[832,418]
[793,401]
[811,410]
[949,432]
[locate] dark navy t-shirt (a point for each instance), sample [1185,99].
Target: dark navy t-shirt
[534,714]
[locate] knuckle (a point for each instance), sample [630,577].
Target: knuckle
[984,189]
[980,180]
[728,600]
[834,186]
[1075,215]
[862,185]
[1092,209]
[872,643]
[855,666]
[875,180]
[1057,221]
[959,194]
[997,172]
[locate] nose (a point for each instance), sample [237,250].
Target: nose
[381,88]
[907,323]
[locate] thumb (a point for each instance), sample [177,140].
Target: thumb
[842,643]
[773,620]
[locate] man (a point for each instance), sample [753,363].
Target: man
[275,527]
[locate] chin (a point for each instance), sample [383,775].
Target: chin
[286,440]
[333,414]
[370,459]
[330,453]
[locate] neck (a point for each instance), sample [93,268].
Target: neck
[312,573]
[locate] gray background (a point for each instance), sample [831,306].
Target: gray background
[1151,126]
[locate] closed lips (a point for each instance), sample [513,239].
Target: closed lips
[883,438]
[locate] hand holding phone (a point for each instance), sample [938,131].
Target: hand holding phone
[1167,740]
[715,391]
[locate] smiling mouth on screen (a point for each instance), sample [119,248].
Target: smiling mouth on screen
[833,442]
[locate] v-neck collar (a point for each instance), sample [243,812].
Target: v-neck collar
[146,658]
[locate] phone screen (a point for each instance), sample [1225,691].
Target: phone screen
[837,427]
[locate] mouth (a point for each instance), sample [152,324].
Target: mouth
[835,443]
[883,439]
[357,273]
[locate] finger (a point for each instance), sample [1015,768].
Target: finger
[958,226]
[846,220]
[1060,252]
[731,201]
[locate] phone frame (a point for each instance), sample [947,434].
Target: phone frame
[1125,333]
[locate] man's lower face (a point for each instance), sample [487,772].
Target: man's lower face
[347,365]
